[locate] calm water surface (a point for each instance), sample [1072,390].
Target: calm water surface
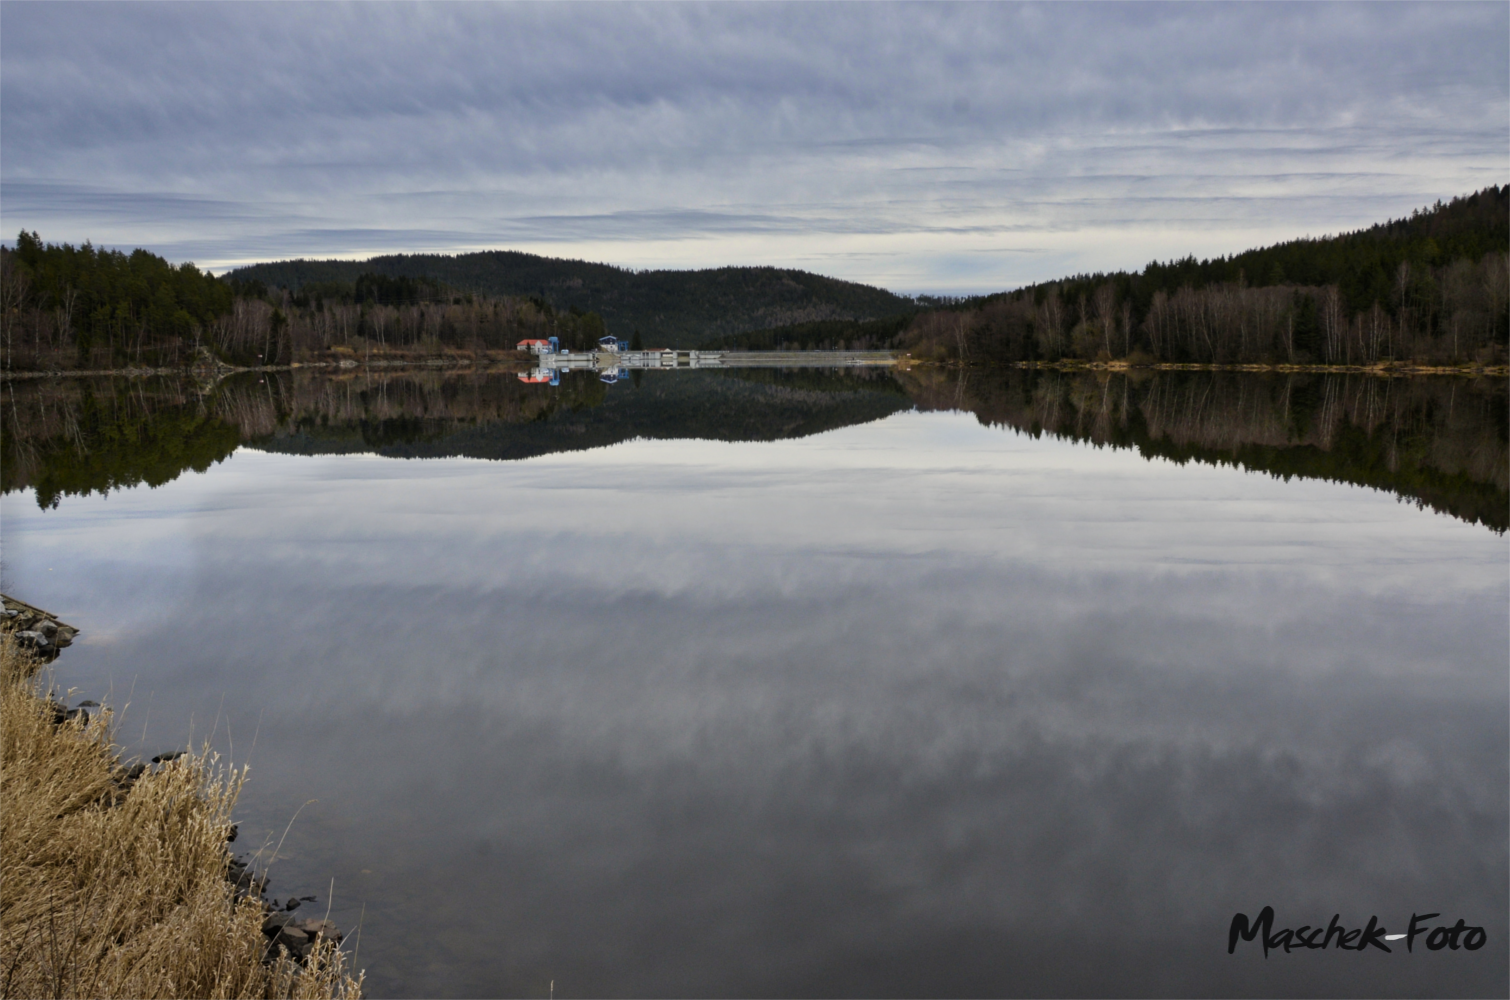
[921,704]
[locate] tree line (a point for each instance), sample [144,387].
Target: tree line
[65,307]
[87,306]
[1434,288]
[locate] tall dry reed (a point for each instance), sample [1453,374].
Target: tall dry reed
[111,887]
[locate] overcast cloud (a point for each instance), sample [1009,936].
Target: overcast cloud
[923,148]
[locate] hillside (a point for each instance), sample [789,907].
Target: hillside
[1430,289]
[669,308]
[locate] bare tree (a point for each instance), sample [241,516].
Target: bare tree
[64,315]
[1497,289]
[14,281]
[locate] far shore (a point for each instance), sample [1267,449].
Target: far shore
[513,362]
[1384,369]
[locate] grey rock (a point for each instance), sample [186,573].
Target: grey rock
[320,928]
[275,922]
[47,628]
[292,904]
[163,758]
[293,939]
[65,637]
[27,637]
[79,714]
[89,704]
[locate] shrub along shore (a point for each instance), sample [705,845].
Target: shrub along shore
[116,876]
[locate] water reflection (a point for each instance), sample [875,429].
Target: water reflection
[1442,443]
[913,706]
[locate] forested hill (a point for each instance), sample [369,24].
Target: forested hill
[1433,288]
[1365,265]
[669,308]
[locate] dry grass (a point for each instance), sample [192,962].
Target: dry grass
[112,893]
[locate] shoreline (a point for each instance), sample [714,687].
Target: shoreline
[509,365]
[132,859]
[1382,370]
[513,366]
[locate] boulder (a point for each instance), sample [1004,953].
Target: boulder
[275,922]
[294,939]
[320,928]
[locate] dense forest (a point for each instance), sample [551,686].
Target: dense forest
[1433,289]
[668,308]
[823,335]
[86,307]
[387,317]
[66,307]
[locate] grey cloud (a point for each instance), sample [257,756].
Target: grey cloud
[795,112]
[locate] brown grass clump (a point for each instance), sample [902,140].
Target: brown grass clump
[111,887]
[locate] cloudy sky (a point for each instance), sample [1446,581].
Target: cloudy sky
[926,148]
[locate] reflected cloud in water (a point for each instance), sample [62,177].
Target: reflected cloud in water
[916,706]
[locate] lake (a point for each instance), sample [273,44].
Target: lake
[808,682]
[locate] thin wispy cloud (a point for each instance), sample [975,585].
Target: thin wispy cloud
[884,143]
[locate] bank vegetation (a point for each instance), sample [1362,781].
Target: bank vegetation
[113,876]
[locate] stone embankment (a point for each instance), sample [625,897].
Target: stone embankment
[35,629]
[42,635]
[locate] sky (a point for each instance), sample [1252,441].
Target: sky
[923,148]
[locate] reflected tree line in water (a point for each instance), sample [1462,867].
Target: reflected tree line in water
[1438,442]
[1442,443]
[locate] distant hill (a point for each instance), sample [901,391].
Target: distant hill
[669,308]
